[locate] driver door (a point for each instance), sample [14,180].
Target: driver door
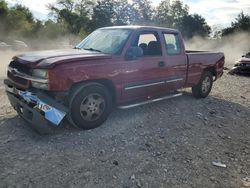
[145,77]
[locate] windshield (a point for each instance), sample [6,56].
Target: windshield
[110,41]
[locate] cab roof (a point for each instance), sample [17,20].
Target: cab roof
[135,27]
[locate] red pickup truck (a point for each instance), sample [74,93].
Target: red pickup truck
[123,66]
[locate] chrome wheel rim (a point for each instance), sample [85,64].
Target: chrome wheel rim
[92,107]
[206,84]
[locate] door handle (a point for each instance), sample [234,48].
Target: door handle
[161,64]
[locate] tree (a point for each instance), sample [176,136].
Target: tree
[80,17]
[103,13]
[142,12]
[178,11]
[52,29]
[70,19]
[3,9]
[74,14]
[85,8]
[19,21]
[3,14]
[122,12]
[37,27]
[242,23]
[170,15]
[191,25]
[162,16]
[60,5]
[112,12]
[176,15]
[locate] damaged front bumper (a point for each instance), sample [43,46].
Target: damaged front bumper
[37,108]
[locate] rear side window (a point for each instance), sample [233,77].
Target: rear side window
[147,38]
[173,45]
[149,42]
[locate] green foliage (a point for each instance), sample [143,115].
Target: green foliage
[80,17]
[163,16]
[142,12]
[74,14]
[19,21]
[112,12]
[191,25]
[242,23]
[176,15]
[3,13]
[3,9]
[170,15]
[178,11]
[122,12]
[52,30]
[102,14]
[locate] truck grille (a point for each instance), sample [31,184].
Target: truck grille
[19,81]
[21,68]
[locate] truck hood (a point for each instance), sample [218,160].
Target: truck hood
[52,57]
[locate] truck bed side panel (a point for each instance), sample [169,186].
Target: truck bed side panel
[199,61]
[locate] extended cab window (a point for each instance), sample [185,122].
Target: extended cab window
[173,45]
[149,42]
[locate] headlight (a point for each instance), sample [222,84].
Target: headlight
[39,85]
[40,73]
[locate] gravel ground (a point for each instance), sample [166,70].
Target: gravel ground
[166,144]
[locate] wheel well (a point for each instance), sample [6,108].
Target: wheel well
[106,83]
[212,71]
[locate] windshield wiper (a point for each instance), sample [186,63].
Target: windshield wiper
[92,49]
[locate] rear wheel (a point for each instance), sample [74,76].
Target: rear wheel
[90,106]
[203,88]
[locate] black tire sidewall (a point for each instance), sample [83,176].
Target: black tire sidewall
[77,100]
[209,75]
[197,90]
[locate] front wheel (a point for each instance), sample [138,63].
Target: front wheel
[90,106]
[203,88]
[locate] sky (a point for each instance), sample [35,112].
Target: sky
[216,12]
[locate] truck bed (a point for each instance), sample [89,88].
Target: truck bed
[203,57]
[198,60]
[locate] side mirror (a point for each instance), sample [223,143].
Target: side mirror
[133,53]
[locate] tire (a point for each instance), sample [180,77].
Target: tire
[203,88]
[90,106]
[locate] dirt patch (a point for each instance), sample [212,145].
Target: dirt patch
[168,144]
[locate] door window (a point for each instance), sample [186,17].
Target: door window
[173,45]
